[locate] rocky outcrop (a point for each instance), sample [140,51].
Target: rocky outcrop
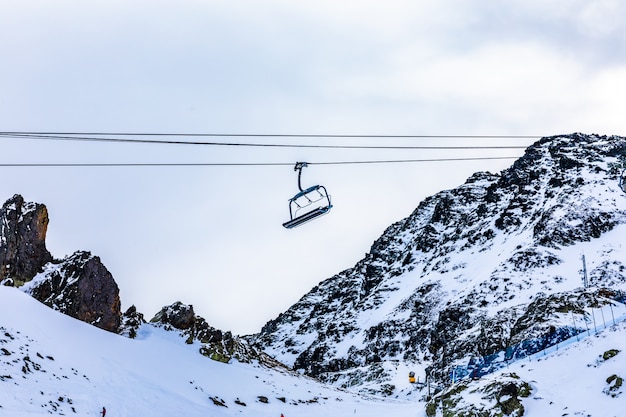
[81,287]
[499,398]
[214,344]
[23,228]
[176,316]
[132,320]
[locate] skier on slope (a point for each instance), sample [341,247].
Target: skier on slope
[103,412]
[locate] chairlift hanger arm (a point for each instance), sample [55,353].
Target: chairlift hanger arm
[298,167]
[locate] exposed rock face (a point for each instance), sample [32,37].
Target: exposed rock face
[178,315]
[499,398]
[215,344]
[81,287]
[472,271]
[131,322]
[23,228]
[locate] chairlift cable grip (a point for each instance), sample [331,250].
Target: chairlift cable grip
[298,167]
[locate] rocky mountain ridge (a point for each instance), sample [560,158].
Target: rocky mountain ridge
[80,286]
[471,272]
[214,343]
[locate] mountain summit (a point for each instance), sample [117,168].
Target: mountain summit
[491,266]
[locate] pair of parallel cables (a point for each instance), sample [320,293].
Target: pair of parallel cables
[191,139]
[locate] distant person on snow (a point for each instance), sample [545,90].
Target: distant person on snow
[103,412]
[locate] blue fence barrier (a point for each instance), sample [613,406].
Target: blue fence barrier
[594,322]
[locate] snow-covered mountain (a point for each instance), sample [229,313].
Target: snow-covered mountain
[492,266]
[482,292]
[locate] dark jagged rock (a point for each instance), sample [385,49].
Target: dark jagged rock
[131,322]
[81,287]
[177,315]
[472,271]
[23,228]
[214,344]
[500,398]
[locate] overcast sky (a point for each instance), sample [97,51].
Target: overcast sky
[212,236]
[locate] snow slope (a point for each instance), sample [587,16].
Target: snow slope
[53,364]
[569,382]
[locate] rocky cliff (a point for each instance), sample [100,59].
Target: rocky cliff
[487,267]
[23,228]
[79,285]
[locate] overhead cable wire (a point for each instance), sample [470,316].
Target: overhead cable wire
[192,164]
[395,161]
[100,137]
[275,135]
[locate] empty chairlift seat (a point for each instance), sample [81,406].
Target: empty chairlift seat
[308,204]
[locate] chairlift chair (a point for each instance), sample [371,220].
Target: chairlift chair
[308,204]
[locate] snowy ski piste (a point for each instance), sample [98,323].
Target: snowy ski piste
[53,364]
